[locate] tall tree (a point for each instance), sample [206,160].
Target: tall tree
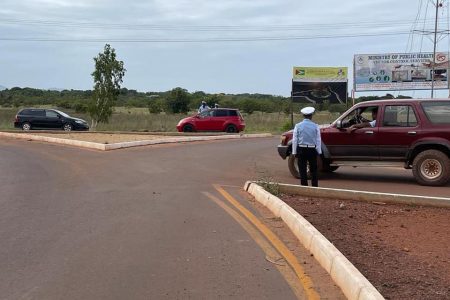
[107,79]
[178,101]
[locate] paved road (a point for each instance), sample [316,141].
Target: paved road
[140,223]
[149,223]
[383,180]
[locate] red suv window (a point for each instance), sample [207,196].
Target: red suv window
[437,112]
[399,116]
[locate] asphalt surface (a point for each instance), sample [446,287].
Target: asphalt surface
[144,223]
[139,223]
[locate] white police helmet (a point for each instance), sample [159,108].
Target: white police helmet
[306,111]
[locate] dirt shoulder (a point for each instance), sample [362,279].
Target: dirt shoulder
[402,250]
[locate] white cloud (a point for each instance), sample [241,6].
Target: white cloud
[247,66]
[61,3]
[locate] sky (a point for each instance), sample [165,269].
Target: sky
[232,46]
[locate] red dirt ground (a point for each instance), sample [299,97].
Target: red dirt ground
[404,251]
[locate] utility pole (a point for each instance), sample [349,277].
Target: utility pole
[438,4]
[434,47]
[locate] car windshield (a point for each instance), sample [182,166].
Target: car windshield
[62,113]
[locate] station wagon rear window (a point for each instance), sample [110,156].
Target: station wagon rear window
[438,112]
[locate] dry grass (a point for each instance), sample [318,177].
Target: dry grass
[139,119]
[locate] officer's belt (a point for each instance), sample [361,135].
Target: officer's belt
[307,146]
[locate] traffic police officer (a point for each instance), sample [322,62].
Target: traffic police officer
[203,107]
[306,145]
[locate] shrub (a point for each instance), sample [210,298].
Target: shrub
[80,107]
[64,104]
[286,126]
[155,107]
[339,108]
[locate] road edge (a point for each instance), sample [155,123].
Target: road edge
[114,146]
[343,194]
[352,283]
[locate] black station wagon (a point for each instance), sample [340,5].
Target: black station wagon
[39,118]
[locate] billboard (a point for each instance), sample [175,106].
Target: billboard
[318,92]
[400,71]
[320,74]
[319,84]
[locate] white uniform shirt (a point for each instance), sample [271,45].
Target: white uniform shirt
[306,133]
[203,108]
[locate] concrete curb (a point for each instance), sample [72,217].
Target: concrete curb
[33,137]
[181,140]
[362,195]
[106,147]
[352,283]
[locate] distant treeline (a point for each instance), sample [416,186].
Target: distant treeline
[177,100]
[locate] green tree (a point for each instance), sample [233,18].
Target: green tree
[155,106]
[248,105]
[80,107]
[388,96]
[178,101]
[107,79]
[213,99]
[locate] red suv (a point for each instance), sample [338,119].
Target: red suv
[216,119]
[413,134]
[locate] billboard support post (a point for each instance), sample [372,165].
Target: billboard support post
[354,83]
[346,94]
[291,108]
[353,97]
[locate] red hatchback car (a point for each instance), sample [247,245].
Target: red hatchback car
[216,119]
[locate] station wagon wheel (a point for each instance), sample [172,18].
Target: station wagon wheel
[431,167]
[188,128]
[67,127]
[26,126]
[231,129]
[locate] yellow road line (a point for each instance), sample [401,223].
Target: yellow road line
[271,253]
[276,242]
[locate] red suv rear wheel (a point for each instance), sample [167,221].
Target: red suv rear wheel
[431,167]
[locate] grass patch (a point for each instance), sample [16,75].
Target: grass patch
[7,118]
[139,119]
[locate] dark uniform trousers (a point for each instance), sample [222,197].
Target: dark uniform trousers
[307,155]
